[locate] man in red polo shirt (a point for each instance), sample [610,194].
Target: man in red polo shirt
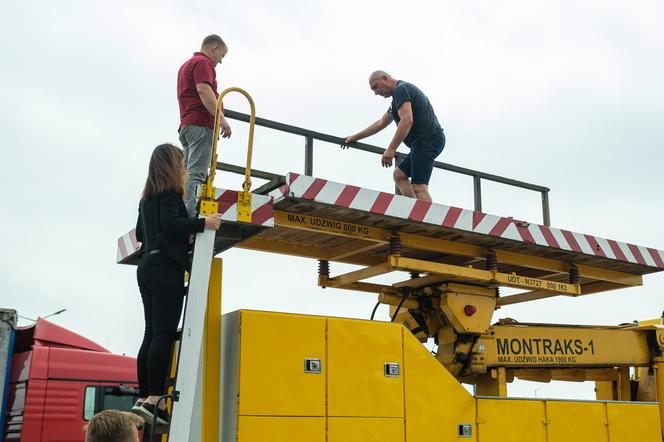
[197,96]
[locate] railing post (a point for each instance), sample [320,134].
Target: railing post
[308,156]
[545,208]
[477,192]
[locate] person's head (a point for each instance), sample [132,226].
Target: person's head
[214,47]
[113,426]
[382,83]
[165,172]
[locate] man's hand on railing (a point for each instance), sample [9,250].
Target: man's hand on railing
[348,140]
[387,158]
[224,128]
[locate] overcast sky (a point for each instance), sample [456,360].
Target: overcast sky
[565,94]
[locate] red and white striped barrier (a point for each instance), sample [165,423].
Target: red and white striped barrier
[262,214]
[128,245]
[343,195]
[262,209]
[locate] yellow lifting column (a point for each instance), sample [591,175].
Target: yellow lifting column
[208,203]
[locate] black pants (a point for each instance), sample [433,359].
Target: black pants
[161,282]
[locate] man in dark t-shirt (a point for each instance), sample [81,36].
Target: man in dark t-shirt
[197,97]
[417,127]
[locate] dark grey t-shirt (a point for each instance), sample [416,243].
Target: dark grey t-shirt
[425,123]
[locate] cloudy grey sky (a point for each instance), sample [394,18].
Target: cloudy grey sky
[566,94]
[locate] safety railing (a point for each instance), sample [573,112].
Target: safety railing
[310,136]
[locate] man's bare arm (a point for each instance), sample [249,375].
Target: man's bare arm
[210,102]
[405,123]
[207,97]
[374,128]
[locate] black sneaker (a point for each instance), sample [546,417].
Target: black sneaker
[147,410]
[137,405]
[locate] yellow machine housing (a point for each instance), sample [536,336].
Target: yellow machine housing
[288,377]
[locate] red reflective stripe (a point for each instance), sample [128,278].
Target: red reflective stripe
[524,232]
[477,218]
[616,250]
[283,190]
[314,189]
[228,195]
[263,213]
[656,257]
[420,210]
[500,227]
[225,206]
[123,249]
[132,237]
[548,236]
[382,203]
[571,240]
[595,246]
[292,177]
[452,217]
[637,253]
[226,200]
[347,196]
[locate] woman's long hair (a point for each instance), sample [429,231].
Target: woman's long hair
[166,171]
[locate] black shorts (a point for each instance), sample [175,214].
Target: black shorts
[418,164]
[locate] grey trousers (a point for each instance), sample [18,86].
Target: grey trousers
[197,148]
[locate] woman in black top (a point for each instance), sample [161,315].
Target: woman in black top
[163,228]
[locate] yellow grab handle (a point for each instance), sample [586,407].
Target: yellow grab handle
[209,191]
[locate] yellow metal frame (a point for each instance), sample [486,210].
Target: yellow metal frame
[208,205]
[368,238]
[421,242]
[492,277]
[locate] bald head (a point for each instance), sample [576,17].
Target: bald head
[375,75]
[382,83]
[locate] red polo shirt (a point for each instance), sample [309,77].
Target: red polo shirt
[198,69]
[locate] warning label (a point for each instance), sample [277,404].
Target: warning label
[542,350]
[535,283]
[328,225]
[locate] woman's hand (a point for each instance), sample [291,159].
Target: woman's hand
[213,221]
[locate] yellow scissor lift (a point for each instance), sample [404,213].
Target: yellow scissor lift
[307,378]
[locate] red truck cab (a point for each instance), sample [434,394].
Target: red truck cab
[58,380]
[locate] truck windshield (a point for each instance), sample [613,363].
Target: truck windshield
[98,398]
